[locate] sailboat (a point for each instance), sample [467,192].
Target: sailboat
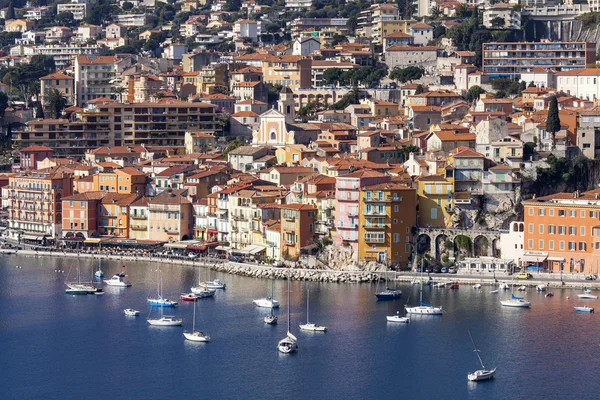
[270,318]
[203,290]
[164,320]
[288,344]
[515,301]
[388,293]
[78,288]
[159,301]
[309,326]
[99,273]
[194,335]
[267,302]
[423,308]
[482,374]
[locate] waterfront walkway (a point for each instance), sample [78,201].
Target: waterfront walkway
[267,271]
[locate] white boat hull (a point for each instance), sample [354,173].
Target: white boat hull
[196,337]
[266,303]
[396,318]
[131,313]
[270,320]
[287,346]
[481,375]
[587,296]
[165,321]
[516,303]
[425,310]
[313,327]
[202,291]
[584,309]
[494,291]
[477,286]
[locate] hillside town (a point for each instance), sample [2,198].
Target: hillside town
[355,135]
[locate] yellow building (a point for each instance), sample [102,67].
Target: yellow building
[199,142]
[291,71]
[385,27]
[436,201]
[386,218]
[59,81]
[113,214]
[292,154]
[18,25]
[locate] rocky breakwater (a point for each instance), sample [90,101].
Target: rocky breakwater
[257,271]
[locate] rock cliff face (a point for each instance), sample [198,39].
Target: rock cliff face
[571,31]
[488,212]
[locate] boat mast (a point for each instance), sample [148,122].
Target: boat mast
[307,307]
[476,351]
[194,323]
[289,276]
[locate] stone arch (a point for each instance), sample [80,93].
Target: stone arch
[495,247]
[442,246]
[424,244]
[273,135]
[185,237]
[463,246]
[481,246]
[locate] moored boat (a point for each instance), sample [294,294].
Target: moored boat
[397,318]
[214,284]
[203,292]
[160,302]
[477,286]
[131,312]
[483,374]
[585,309]
[188,297]
[288,344]
[165,320]
[118,280]
[194,335]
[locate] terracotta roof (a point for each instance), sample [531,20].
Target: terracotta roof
[421,26]
[131,171]
[245,114]
[364,173]
[412,48]
[87,60]
[85,196]
[398,35]
[35,148]
[56,75]
[170,197]
[450,136]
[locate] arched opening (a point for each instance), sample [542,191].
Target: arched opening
[496,249]
[443,247]
[463,247]
[481,246]
[185,237]
[288,110]
[423,244]
[273,136]
[521,227]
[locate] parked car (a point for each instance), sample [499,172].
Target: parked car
[451,270]
[278,264]
[437,270]
[591,277]
[444,270]
[428,269]
[235,259]
[419,269]
[524,275]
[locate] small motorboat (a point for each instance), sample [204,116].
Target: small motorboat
[587,296]
[130,312]
[203,292]
[504,286]
[397,318]
[522,289]
[477,286]
[160,302]
[267,302]
[309,326]
[99,274]
[454,286]
[585,309]
[165,320]
[494,291]
[118,280]
[541,288]
[188,297]
[270,319]
[549,294]
[388,294]
[440,284]
[216,284]
[415,282]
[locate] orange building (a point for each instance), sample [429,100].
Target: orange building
[80,215]
[297,228]
[170,216]
[114,214]
[126,180]
[563,228]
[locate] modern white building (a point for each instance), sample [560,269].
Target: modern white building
[305,45]
[64,54]
[512,242]
[132,19]
[94,77]
[78,8]
[245,28]
[298,4]
[495,12]
[582,83]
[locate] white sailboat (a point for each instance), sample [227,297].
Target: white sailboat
[267,302]
[164,320]
[514,301]
[397,318]
[99,273]
[194,335]
[270,318]
[288,344]
[309,326]
[79,288]
[422,308]
[482,374]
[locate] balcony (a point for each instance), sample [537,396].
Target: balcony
[139,227]
[173,231]
[140,217]
[290,218]
[377,199]
[374,240]
[239,218]
[375,213]
[289,242]
[352,213]
[374,226]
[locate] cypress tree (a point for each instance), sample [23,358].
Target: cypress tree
[553,120]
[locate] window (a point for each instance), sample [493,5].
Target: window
[541,229]
[562,230]
[530,244]
[582,214]
[572,246]
[582,230]
[561,245]
[407,248]
[582,246]
[551,229]
[572,213]
[396,238]
[541,244]
[541,212]
[530,228]
[561,213]
[551,244]
[396,208]
[593,214]
[531,211]
[572,230]
[552,212]
[434,213]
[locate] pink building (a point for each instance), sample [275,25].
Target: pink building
[347,191]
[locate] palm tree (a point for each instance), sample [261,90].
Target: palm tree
[55,103]
[118,91]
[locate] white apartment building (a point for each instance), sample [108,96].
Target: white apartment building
[78,8]
[582,83]
[94,77]
[64,54]
[246,28]
[298,4]
[511,18]
[131,19]
[38,13]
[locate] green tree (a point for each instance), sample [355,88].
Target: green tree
[420,89]
[55,103]
[497,22]
[118,91]
[407,150]
[3,104]
[233,5]
[331,76]
[473,93]
[553,120]
[234,144]
[10,12]
[407,74]
[65,19]
[127,6]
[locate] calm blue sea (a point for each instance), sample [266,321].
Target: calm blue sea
[56,346]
